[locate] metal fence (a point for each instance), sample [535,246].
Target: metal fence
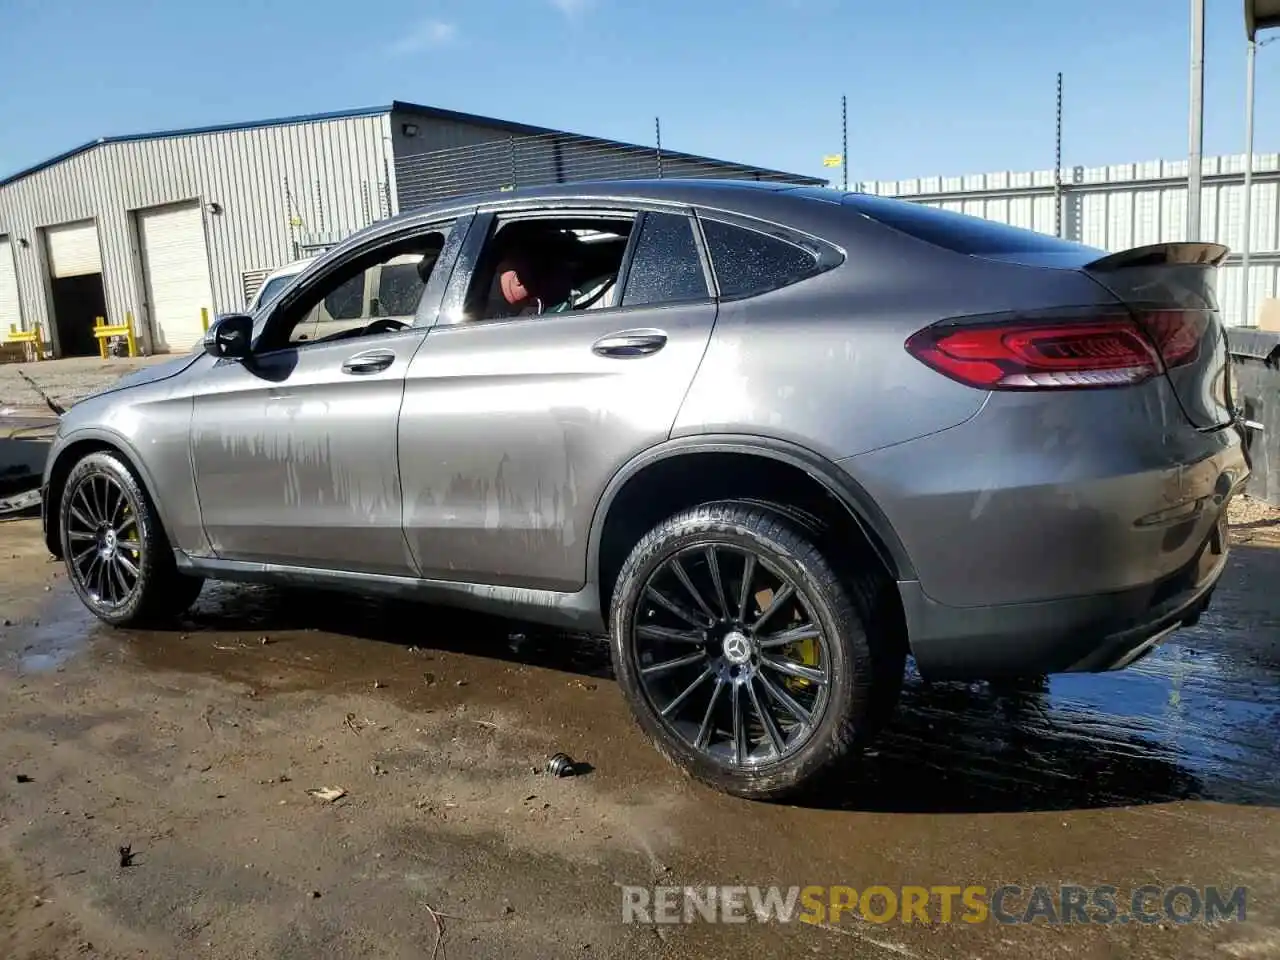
[544,159]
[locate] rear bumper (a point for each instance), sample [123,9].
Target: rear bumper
[1078,634]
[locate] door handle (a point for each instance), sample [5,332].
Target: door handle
[630,343]
[371,361]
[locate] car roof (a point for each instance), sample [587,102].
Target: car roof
[728,194]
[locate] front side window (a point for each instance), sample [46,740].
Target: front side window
[749,262]
[376,292]
[665,267]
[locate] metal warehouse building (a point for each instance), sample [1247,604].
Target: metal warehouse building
[1130,205]
[164,225]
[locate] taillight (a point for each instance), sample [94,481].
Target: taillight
[1176,333]
[1027,354]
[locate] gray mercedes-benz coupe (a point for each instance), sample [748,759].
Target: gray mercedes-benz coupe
[771,439]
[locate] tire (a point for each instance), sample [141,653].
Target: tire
[848,676]
[132,580]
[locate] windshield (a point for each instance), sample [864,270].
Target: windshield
[272,289]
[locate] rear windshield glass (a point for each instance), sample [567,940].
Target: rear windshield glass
[958,231]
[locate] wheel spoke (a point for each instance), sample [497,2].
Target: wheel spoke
[744,594]
[133,545]
[127,564]
[678,569]
[785,700]
[704,730]
[93,576]
[119,505]
[668,665]
[107,581]
[793,669]
[77,535]
[671,707]
[805,631]
[83,515]
[779,600]
[87,572]
[76,558]
[118,580]
[766,719]
[668,634]
[713,565]
[739,726]
[671,606]
[99,500]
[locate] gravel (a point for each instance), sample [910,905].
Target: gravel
[64,381]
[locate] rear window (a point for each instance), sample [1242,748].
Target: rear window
[960,232]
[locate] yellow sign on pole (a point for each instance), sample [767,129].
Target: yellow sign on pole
[833,160]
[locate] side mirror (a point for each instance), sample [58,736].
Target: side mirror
[229,336]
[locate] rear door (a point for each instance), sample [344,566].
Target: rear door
[512,427]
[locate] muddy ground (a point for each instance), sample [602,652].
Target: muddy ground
[196,749]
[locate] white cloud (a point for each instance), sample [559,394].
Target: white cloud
[572,8]
[425,35]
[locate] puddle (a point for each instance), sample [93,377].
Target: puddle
[1198,719]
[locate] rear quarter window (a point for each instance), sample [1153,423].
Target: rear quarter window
[749,262]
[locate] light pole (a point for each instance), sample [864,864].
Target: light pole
[1195,132]
[1258,15]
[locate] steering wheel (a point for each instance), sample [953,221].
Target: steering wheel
[386,325]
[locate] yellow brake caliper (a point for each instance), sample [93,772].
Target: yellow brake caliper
[804,651]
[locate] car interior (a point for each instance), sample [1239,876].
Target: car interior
[590,251]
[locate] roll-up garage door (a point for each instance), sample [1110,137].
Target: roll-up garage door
[176,267]
[10,311]
[73,249]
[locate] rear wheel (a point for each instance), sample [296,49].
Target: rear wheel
[118,558]
[744,656]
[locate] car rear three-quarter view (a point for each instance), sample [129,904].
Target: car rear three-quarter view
[771,439]
[1035,442]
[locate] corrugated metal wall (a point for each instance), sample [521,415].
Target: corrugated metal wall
[506,162]
[280,189]
[1130,205]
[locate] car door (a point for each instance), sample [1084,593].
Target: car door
[294,448]
[511,428]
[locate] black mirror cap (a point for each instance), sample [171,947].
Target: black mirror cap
[229,336]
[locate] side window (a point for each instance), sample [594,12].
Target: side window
[537,266]
[347,302]
[400,286]
[749,262]
[375,292]
[665,267]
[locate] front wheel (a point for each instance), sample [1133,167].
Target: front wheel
[744,656]
[118,558]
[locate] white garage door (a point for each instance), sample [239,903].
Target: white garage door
[10,311]
[73,249]
[176,267]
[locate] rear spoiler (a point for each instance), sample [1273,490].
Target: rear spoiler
[1161,255]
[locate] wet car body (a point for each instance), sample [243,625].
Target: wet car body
[1032,525]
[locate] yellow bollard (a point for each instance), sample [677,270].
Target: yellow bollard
[103,333]
[204,319]
[99,325]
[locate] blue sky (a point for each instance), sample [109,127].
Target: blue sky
[934,87]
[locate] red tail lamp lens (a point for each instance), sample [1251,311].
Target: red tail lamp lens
[1038,356]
